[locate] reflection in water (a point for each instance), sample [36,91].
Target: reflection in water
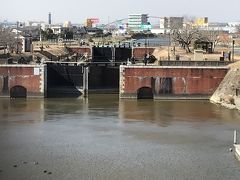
[165,112]
[162,113]
[21,110]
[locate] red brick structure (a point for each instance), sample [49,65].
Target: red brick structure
[170,81]
[23,80]
[141,51]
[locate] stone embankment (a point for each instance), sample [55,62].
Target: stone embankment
[228,92]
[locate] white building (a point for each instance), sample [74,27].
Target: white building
[67,24]
[33,23]
[57,29]
[137,21]
[230,27]
[24,41]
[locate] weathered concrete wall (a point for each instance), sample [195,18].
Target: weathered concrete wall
[202,81]
[141,51]
[226,92]
[31,77]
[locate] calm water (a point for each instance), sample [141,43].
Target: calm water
[105,138]
[153,42]
[150,42]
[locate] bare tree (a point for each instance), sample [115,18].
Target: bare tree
[185,36]
[211,35]
[225,39]
[7,39]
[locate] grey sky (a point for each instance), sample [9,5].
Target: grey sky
[78,10]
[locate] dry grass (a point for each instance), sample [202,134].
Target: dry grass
[235,65]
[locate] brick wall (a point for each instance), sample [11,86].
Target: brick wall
[32,77]
[140,52]
[184,80]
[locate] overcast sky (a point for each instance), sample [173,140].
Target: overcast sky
[77,11]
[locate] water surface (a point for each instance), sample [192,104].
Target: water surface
[107,138]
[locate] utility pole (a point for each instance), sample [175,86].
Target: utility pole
[148,40]
[233,43]
[145,47]
[40,29]
[145,41]
[17,37]
[168,46]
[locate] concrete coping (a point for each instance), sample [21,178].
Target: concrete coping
[23,65]
[173,67]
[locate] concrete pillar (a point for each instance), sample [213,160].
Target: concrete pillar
[121,80]
[85,81]
[235,137]
[42,71]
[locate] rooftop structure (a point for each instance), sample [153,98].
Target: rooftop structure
[49,18]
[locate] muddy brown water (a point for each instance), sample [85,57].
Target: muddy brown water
[106,138]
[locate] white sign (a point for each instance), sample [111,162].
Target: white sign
[36,71]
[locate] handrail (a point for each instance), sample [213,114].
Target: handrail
[194,63]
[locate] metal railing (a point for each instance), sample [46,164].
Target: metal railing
[194,63]
[87,63]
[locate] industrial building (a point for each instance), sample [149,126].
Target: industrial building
[167,23]
[136,22]
[202,22]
